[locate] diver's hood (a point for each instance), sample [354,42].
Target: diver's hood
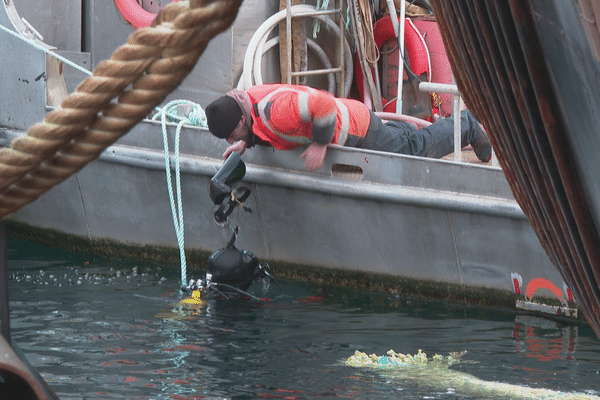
[233,267]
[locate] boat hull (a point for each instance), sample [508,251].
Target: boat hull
[399,216]
[432,224]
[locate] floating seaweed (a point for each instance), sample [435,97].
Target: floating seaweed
[435,374]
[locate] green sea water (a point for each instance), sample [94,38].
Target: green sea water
[100,328]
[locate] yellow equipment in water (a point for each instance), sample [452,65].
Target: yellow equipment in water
[194,300]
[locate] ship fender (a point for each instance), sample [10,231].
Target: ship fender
[415,48]
[135,14]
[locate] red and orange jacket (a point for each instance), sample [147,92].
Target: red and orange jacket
[288,116]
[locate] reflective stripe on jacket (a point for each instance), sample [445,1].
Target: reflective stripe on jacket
[288,116]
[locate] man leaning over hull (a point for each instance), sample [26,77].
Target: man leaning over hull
[288,116]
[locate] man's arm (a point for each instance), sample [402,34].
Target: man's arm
[322,113]
[289,111]
[314,156]
[239,146]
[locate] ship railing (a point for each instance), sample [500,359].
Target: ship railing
[457,105]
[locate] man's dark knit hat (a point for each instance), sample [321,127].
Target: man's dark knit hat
[222,116]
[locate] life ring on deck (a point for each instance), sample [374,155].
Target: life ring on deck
[135,14]
[415,47]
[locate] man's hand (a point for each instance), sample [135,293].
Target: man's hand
[239,146]
[314,156]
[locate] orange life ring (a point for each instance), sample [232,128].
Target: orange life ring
[418,54]
[441,72]
[133,13]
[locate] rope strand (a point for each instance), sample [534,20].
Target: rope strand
[121,92]
[196,117]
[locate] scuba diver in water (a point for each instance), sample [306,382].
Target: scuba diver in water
[288,116]
[230,271]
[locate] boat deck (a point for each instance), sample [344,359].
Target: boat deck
[468,156]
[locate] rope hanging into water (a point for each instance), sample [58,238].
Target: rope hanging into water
[122,91]
[196,117]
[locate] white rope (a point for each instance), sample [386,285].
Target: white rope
[46,50]
[196,117]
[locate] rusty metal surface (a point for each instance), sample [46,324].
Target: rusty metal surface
[500,66]
[18,379]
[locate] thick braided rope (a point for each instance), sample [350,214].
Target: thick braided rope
[104,107]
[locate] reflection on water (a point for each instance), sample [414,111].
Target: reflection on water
[106,329]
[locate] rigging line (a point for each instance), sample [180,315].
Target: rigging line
[177,211]
[52,54]
[196,117]
[45,50]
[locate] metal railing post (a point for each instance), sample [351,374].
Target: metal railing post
[456,108]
